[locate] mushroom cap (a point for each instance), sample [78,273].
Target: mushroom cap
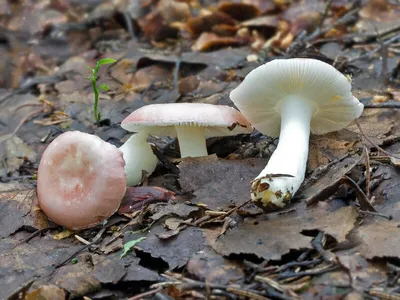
[81,180]
[160,119]
[260,94]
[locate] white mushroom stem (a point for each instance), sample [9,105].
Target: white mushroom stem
[138,156]
[192,141]
[275,183]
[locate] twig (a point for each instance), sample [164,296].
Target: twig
[299,264]
[372,142]
[390,104]
[383,295]
[245,293]
[145,294]
[362,198]
[94,241]
[325,13]
[317,244]
[389,217]
[34,234]
[308,273]
[367,173]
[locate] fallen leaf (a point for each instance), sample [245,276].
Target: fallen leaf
[205,23]
[175,251]
[274,237]
[137,197]
[212,268]
[379,239]
[363,274]
[27,261]
[16,151]
[17,209]
[172,209]
[77,279]
[170,233]
[328,147]
[219,183]
[46,292]
[109,271]
[210,41]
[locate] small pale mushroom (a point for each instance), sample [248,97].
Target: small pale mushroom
[81,180]
[191,123]
[138,157]
[290,98]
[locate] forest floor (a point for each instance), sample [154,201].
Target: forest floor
[207,241]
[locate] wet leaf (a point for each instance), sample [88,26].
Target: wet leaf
[273,237]
[109,271]
[177,209]
[175,251]
[213,268]
[219,183]
[77,279]
[363,273]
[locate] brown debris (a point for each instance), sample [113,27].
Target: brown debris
[205,23]
[239,10]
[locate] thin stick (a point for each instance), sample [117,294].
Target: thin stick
[376,214]
[367,173]
[145,294]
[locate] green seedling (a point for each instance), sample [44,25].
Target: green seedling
[96,89]
[129,245]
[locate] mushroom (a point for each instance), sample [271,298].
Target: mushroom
[289,98]
[81,180]
[191,123]
[138,157]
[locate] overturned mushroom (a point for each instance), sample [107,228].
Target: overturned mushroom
[289,98]
[81,180]
[191,123]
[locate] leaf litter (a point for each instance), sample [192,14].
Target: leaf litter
[194,234]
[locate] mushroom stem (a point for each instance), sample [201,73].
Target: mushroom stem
[191,141]
[138,156]
[286,168]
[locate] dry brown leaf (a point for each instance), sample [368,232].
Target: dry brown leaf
[210,41]
[379,239]
[46,292]
[205,23]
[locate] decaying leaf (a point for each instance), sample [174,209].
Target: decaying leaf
[176,250]
[379,239]
[177,209]
[137,197]
[46,292]
[18,209]
[273,237]
[109,270]
[210,41]
[212,268]
[219,183]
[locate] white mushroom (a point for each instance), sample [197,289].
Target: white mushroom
[138,157]
[191,123]
[289,98]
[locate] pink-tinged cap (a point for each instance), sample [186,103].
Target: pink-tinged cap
[160,119]
[81,180]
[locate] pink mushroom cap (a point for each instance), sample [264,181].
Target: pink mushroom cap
[81,180]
